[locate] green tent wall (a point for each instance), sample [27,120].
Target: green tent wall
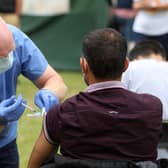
[60,37]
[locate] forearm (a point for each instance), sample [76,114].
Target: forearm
[145,5]
[138,5]
[162,6]
[52,81]
[57,86]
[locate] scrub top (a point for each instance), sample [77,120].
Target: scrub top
[28,61]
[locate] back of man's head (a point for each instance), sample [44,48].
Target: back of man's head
[105,51]
[146,48]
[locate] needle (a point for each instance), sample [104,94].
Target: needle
[35,113]
[28,107]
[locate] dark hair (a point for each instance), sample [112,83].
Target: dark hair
[145,48]
[105,51]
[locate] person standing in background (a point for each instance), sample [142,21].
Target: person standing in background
[122,17]
[151,21]
[10,11]
[147,73]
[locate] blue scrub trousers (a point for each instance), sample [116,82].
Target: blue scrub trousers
[9,156]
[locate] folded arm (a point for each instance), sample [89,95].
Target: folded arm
[149,5]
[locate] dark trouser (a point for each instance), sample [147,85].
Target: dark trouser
[163,144]
[9,156]
[123,25]
[65,162]
[163,39]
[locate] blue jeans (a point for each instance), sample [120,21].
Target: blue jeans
[124,26]
[9,156]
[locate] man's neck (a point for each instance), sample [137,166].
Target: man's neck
[95,80]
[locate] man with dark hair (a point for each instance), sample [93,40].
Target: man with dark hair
[101,55]
[147,73]
[105,122]
[146,49]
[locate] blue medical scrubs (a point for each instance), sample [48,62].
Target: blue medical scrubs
[28,61]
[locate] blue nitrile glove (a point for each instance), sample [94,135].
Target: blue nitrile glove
[45,99]
[11,109]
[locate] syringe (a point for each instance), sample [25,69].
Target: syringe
[35,113]
[28,107]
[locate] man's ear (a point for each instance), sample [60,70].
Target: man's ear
[126,64]
[83,65]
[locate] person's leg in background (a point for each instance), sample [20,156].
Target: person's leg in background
[138,37]
[126,29]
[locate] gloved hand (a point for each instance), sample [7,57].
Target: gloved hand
[11,109]
[45,99]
